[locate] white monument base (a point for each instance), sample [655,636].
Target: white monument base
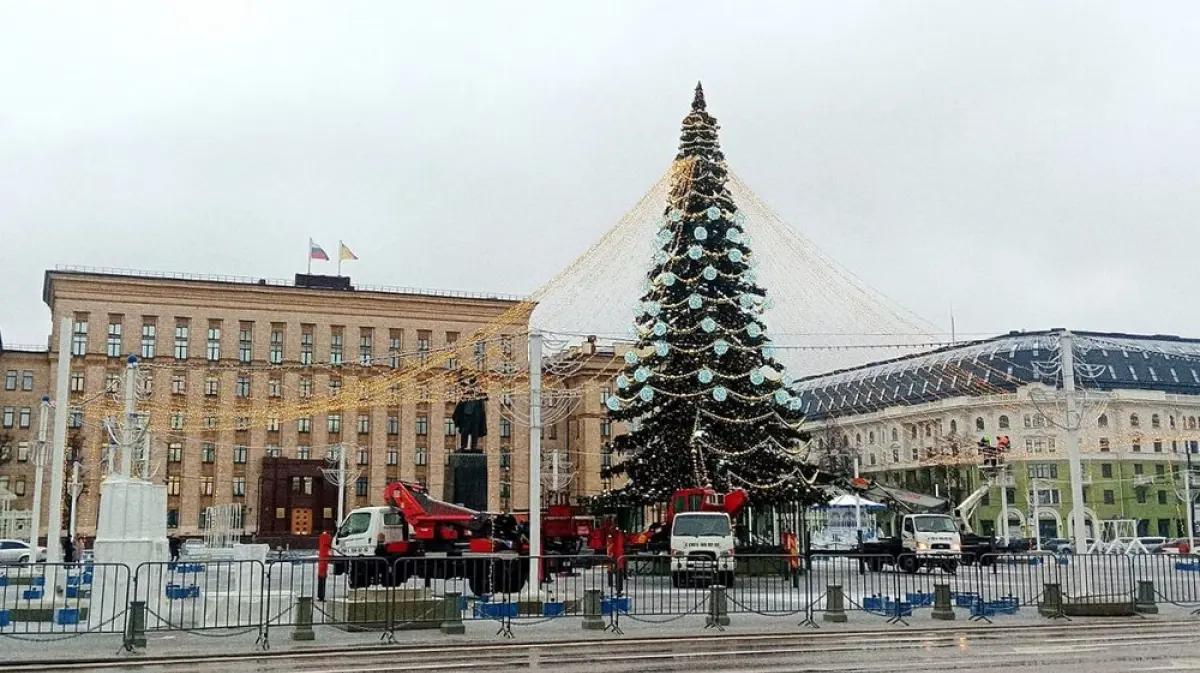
[132,525]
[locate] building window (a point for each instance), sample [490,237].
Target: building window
[393,456]
[149,334]
[274,387]
[1049,496]
[422,425]
[306,344]
[1138,468]
[77,382]
[895,435]
[605,428]
[181,342]
[1160,469]
[243,386]
[304,424]
[246,344]
[1004,425]
[480,354]
[273,451]
[365,345]
[335,346]
[173,484]
[10,415]
[395,346]
[239,487]
[210,422]
[448,425]
[1155,421]
[22,452]
[423,346]
[272,424]
[360,487]
[979,424]
[505,428]
[505,460]
[364,424]
[452,345]
[604,393]
[335,386]
[76,419]
[276,349]
[420,456]
[364,456]
[1162,497]
[1158,447]
[208,452]
[1043,471]
[175,452]
[206,486]
[10,380]
[552,431]
[1106,470]
[1102,421]
[1141,495]
[1104,445]
[213,352]
[335,422]
[79,338]
[1136,447]
[303,452]
[177,421]
[1134,422]
[212,385]
[239,455]
[305,388]
[24,417]
[393,424]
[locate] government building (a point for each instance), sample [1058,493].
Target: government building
[251,387]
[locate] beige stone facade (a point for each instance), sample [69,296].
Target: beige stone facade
[238,369]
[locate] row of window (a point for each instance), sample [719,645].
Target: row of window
[367,356]
[13,379]
[14,417]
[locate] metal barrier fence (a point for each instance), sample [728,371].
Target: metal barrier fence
[226,598]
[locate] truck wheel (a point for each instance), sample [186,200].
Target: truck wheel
[908,563]
[726,579]
[875,565]
[950,567]
[968,559]
[358,576]
[509,577]
[677,580]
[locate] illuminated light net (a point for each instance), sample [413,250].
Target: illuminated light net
[819,316]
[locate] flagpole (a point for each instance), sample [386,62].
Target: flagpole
[339,257]
[310,256]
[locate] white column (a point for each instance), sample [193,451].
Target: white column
[535,457]
[341,482]
[1191,507]
[75,488]
[1067,353]
[40,453]
[59,451]
[127,437]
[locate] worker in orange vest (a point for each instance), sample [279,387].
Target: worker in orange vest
[324,548]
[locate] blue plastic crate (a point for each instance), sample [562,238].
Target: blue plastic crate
[553,609]
[32,594]
[875,603]
[3,580]
[66,616]
[919,599]
[1005,606]
[5,618]
[495,610]
[74,580]
[39,581]
[609,605]
[965,599]
[73,592]
[1188,566]
[177,592]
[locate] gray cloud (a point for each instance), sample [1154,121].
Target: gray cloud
[1033,164]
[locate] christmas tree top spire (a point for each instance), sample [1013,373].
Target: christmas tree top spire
[698,104]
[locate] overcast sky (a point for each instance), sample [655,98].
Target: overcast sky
[1033,164]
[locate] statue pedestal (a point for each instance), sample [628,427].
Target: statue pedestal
[132,524]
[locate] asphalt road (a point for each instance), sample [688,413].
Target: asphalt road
[1127,647]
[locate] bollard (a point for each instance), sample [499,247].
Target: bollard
[452,624]
[1051,604]
[591,611]
[1145,604]
[303,629]
[942,609]
[718,607]
[835,604]
[135,626]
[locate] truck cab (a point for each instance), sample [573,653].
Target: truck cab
[925,534]
[701,548]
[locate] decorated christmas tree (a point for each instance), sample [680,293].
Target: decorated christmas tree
[705,398]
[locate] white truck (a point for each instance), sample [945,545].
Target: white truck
[926,540]
[701,549]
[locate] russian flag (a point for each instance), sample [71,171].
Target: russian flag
[316,252]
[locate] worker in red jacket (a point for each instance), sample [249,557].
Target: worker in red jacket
[324,548]
[616,556]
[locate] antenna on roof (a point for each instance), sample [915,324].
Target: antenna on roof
[953,341]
